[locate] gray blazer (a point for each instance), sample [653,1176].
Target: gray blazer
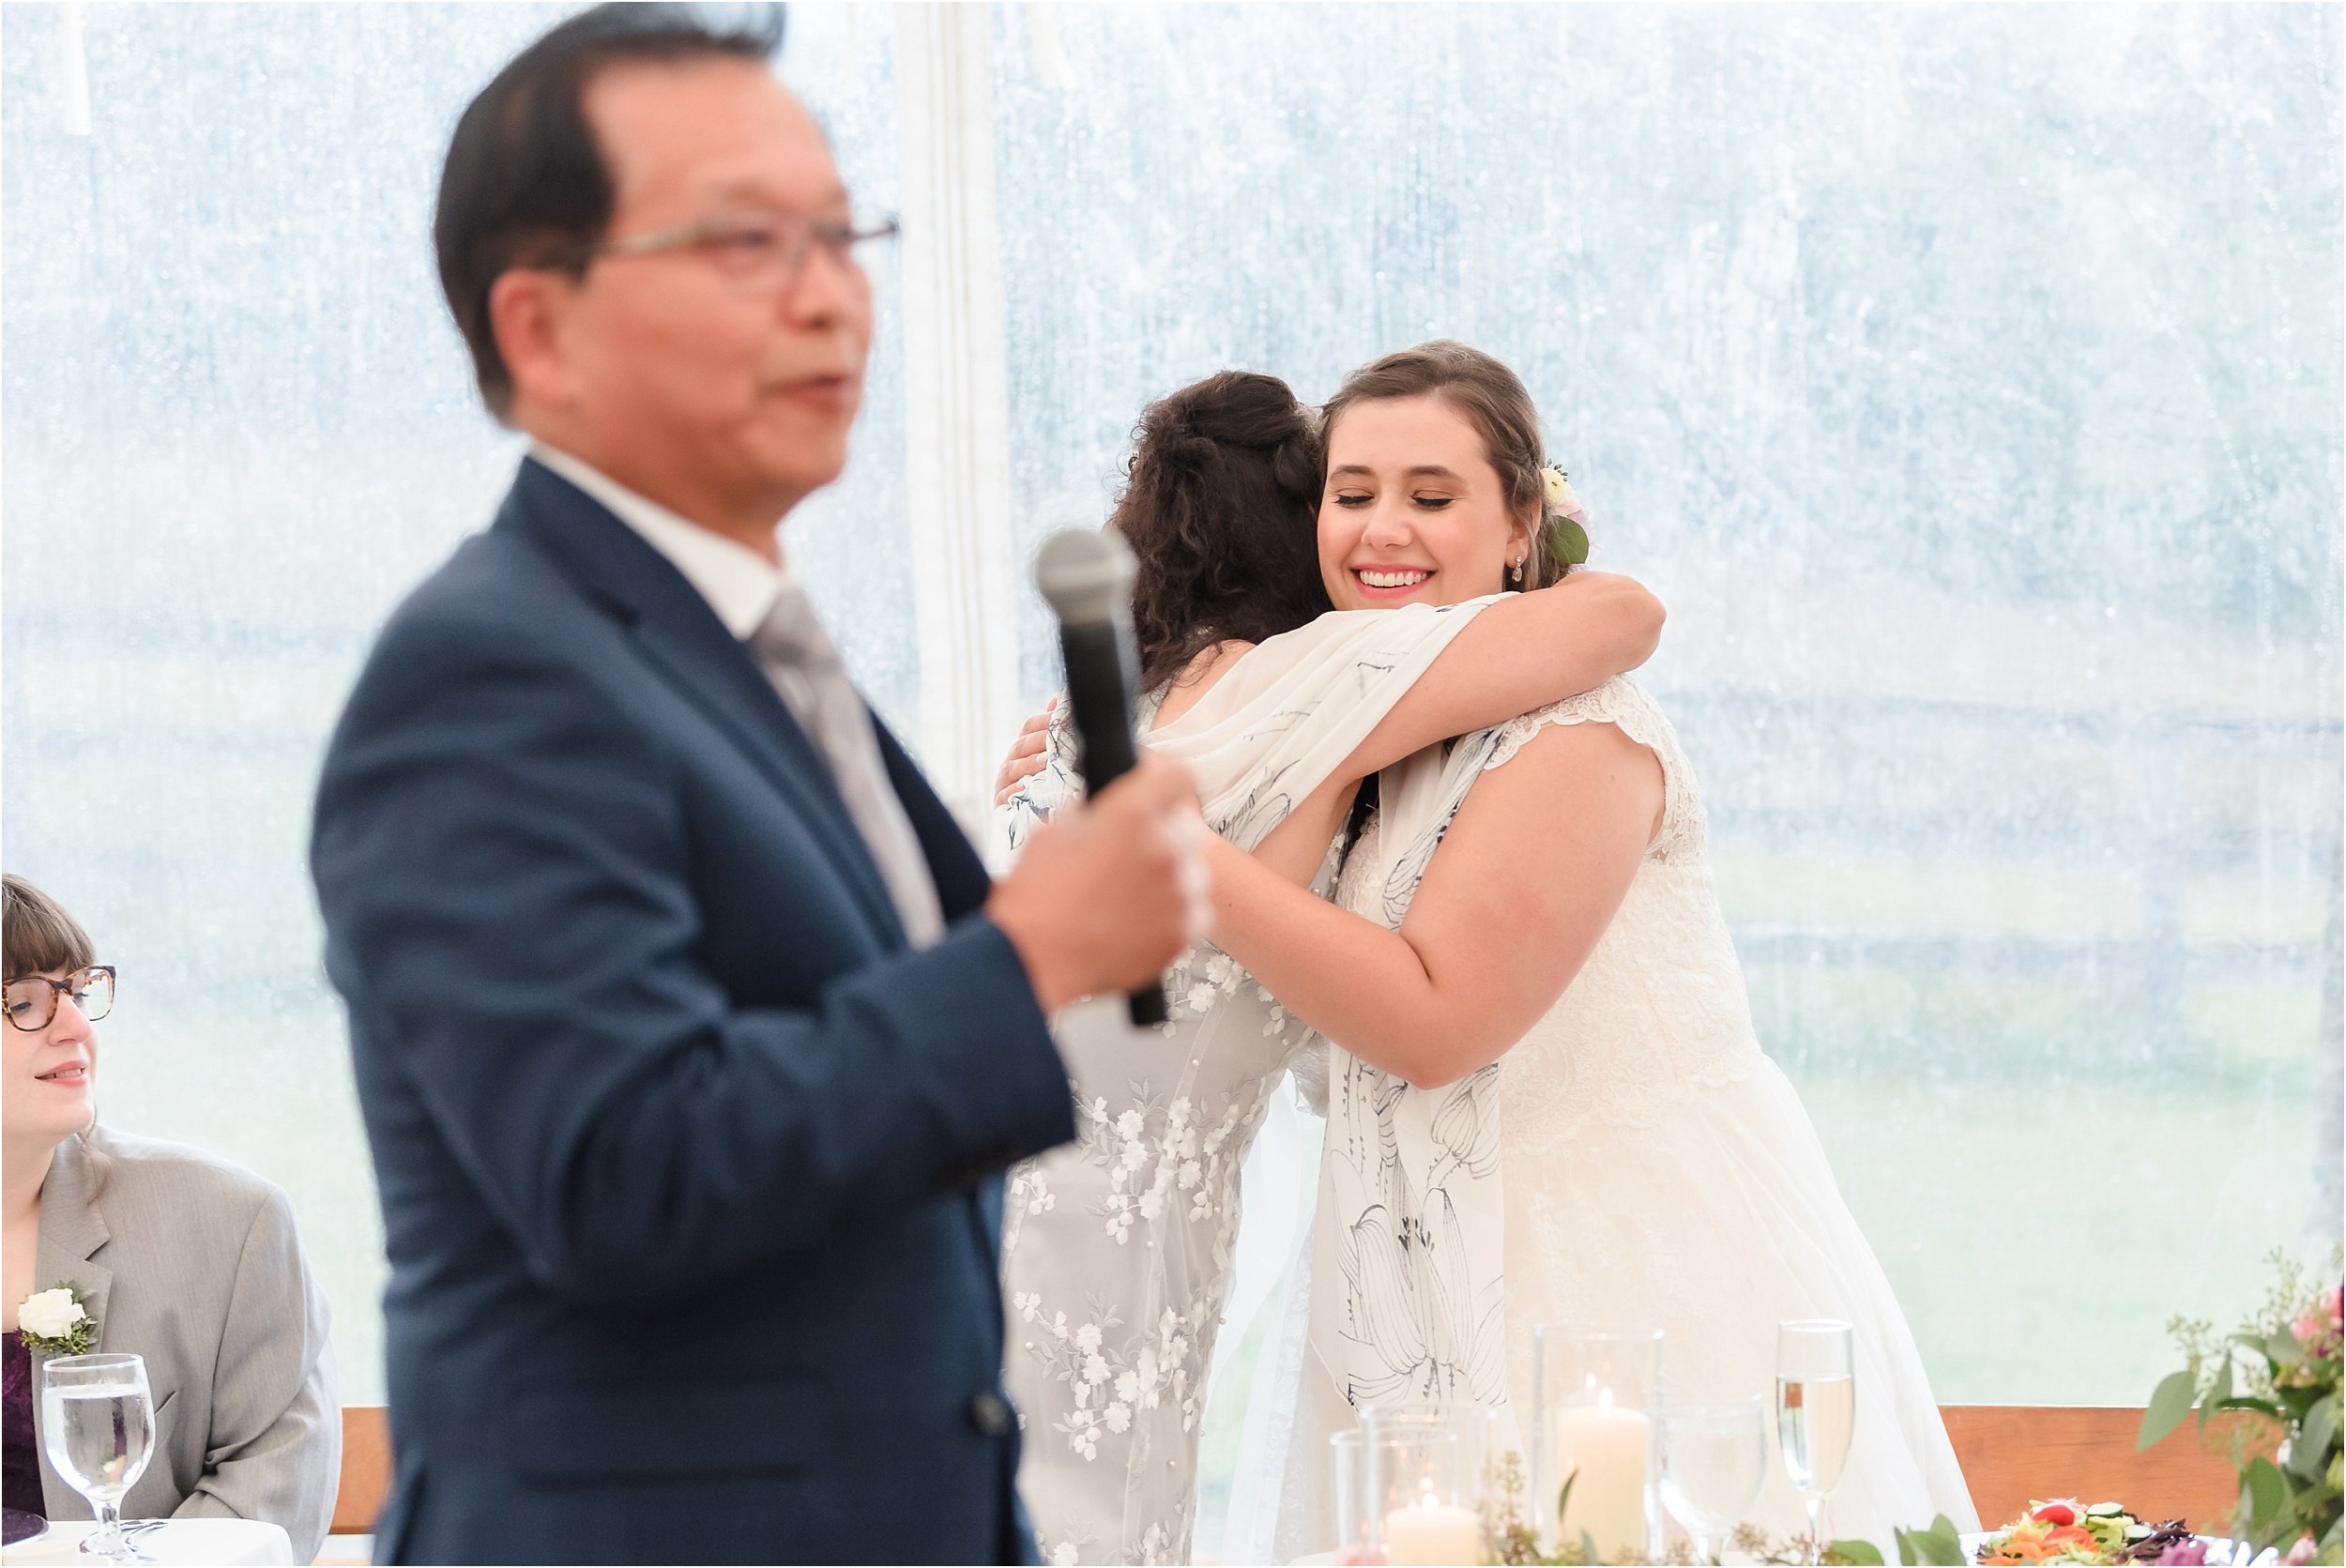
[193,1263]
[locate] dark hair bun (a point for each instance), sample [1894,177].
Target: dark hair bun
[1220,508]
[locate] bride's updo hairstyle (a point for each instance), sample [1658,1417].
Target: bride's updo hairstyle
[1494,400]
[1219,506]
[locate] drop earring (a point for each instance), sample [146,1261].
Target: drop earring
[1515,573]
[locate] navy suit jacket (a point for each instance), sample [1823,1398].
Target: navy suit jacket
[689,1165]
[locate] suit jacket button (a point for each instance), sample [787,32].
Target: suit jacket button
[989,1412]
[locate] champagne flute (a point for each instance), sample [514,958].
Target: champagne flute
[1714,1461]
[97,1427]
[1816,1411]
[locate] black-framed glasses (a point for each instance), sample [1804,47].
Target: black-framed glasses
[762,252]
[33,1000]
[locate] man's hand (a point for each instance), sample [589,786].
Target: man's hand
[1106,895]
[1029,755]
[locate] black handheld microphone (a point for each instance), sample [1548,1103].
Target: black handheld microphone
[1087,575]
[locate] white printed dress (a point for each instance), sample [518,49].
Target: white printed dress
[1117,1249]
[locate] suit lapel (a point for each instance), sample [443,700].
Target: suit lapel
[960,888]
[71,1232]
[960,875]
[694,652]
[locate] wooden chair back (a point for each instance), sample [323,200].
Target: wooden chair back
[2012,1454]
[366,1480]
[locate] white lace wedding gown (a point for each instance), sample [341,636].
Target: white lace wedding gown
[1659,1169]
[1117,1249]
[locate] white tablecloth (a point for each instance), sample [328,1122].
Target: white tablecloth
[197,1542]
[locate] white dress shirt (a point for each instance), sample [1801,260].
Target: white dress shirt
[738,583]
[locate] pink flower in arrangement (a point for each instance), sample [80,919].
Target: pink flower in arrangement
[2301,1553]
[2187,1554]
[2320,1328]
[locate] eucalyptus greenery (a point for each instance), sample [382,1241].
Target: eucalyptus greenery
[1509,1540]
[2282,1370]
[1567,541]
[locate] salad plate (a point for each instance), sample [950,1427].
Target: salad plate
[2063,1531]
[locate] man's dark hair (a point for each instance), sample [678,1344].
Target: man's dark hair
[1221,508]
[526,185]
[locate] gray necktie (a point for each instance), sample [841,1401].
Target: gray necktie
[804,666]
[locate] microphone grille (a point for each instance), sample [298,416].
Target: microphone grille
[1086,573]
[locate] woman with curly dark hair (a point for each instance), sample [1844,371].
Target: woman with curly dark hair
[1117,1249]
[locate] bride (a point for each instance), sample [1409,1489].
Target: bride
[1117,1249]
[1547,1102]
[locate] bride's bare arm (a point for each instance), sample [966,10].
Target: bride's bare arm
[1528,878]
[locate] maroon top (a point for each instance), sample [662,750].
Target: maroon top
[20,1444]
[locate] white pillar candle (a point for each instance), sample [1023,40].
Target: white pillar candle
[1603,1452]
[1433,1534]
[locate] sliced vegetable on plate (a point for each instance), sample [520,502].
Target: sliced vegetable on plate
[2062,1530]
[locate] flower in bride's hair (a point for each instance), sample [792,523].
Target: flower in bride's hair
[1556,493]
[1566,520]
[1556,485]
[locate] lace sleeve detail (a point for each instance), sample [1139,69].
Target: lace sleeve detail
[1622,703]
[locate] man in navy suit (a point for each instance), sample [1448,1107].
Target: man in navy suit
[689,1035]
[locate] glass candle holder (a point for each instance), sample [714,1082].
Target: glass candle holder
[1597,1460]
[1401,1492]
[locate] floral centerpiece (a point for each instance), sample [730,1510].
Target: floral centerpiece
[2282,1369]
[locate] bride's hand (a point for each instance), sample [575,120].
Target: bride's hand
[1029,755]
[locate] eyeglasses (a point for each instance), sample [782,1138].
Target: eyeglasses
[33,1000]
[763,253]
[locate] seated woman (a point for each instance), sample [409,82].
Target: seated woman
[185,1259]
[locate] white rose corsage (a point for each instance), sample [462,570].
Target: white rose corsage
[1567,519]
[57,1321]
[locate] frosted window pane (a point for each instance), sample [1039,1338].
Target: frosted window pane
[238,427]
[1967,380]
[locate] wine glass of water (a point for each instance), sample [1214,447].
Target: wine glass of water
[1816,1411]
[97,1427]
[1714,1461]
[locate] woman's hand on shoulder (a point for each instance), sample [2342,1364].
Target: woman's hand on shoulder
[1029,755]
